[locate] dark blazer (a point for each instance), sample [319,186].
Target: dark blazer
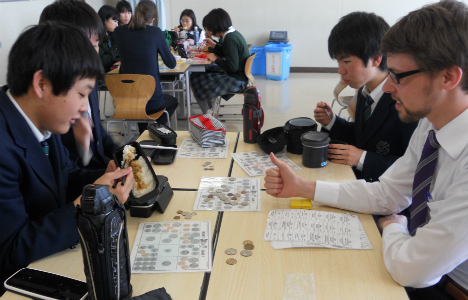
[102,144]
[36,193]
[383,136]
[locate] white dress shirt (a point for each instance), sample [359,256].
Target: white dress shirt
[376,94]
[441,246]
[37,133]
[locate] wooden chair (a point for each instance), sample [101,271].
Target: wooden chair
[131,93]
[250,83]
[344,101]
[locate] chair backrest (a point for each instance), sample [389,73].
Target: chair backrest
[130,93]
[248,69]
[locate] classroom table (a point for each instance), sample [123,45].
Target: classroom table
[339,274]
[331,172]
[185,173]
[179,285]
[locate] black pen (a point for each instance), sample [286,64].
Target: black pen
[326,111]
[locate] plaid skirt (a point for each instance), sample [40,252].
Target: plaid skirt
[209,85]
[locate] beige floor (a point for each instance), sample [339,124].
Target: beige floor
[294,97]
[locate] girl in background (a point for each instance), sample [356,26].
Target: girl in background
[107,49]
[189,22]
[229,77]
[139,44]
[125,10]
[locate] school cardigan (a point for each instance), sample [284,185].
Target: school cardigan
[139,51]
[234,49]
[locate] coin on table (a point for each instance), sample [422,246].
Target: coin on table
[245,203]
[185,213]
[226,190]
[211,190]
[223,186]
[180,211]
[219,191]
[207,199]
[237,195]
[231,261]
[211,169]
[246,253]
[210,196]
[188,216]
[243,192]
[231,251]
[232,179]
[249,247]
[230,194]
[177,217]
[206,169]
[248,242]
[194,213]
[234,198]
[227,202]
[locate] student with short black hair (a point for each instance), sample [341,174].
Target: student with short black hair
[40,186]
[188,22]
[125,11]
[87,141]
[378,137]
[107,49]
[233,51]
[139,44]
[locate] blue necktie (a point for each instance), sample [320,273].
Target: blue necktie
[45,147]
[367,107]
[422,183]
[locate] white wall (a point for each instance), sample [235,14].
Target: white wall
[308,22]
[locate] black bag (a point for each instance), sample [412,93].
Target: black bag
[102,226]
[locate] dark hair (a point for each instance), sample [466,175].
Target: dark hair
[358,34]
[217,21]
[77,13]
[189,13]
[435,35]
[144,12]
[107,12]
[62,51]
[123,6]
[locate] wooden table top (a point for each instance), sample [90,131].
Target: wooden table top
[179,285]
[187,172]
[339,274]
[331,172]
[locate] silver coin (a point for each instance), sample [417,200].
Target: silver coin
[147,230]
[195,241]
[142,247]
[211,191]
[168,250]
[177,224]
[237,195]
[226,190]
[150,247]
[194,213]
[166,263]
[227,207]
[227,202]
[156,230]
[188,217]
[207,200]
[193,265]
[193,259]
[148,226]
[154,254]
[194,253]
[184,252]
[232,179]
[234,203]
[223,186]
[157,225]
[246,253]
[146,259]
[166,240]
[154,250]
[186,213]
[190,246]
[230,251]
[150,238]
[195,249]
[153,258]
[195,229]
[245,203]
[195,234]
[173,236]
[219,191]
[136,269]
[137,263]
[151,268]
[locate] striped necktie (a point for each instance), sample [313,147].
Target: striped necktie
[45,147]
[367,107]
[422,182]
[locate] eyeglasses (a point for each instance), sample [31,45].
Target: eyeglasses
[396,77]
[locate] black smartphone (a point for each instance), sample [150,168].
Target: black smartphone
[43,285]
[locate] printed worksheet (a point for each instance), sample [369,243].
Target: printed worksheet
[191,149]
[255,163]
[164,247]
[228,194]
[288,228]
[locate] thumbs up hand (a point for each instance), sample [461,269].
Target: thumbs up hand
[284,183]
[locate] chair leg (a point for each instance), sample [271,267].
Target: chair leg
[168,118]
[333,103]
[215,106]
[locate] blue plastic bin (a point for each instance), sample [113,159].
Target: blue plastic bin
[259,62]
[278,61]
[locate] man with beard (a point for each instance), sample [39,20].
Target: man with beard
[427,63]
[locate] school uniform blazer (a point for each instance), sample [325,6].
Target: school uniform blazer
[383,136]
[102,144]
[36,193]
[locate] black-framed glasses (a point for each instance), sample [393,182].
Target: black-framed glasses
[396,77]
